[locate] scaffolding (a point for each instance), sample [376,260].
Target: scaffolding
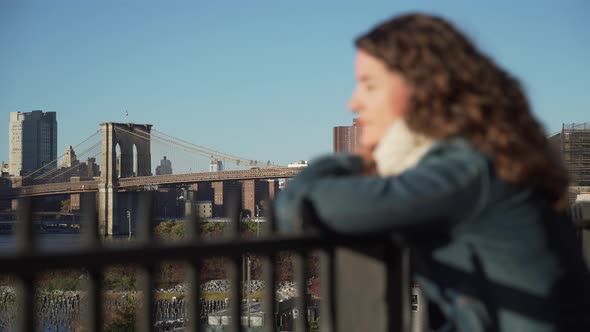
[575,152]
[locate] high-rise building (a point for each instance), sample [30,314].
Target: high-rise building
[215,166]
[346,138]
[165,167]
[93,168]
[32,141]
[69,159]
[573,143]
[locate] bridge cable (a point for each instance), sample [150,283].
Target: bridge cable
[61,156]
[165,142]
[82,154]
[197,149]
[53,171]
[214,152]
[69,169]
[170,143]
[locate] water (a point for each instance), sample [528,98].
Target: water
[46,241]
[58,240]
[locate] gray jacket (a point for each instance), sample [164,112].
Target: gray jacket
[491,255]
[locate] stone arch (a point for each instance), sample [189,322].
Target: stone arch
[133,140]
[126,136]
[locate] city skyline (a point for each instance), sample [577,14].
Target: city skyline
[32,141]
[247,79]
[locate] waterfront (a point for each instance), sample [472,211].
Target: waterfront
[46,241]
[57,235]
[58,241]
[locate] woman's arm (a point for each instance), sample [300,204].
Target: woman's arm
[444,188]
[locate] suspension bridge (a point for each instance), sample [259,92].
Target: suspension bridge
[118,159]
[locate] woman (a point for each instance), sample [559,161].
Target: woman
[453,159]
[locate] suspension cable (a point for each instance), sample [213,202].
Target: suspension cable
[214,152]
[82,154]
[56,159]
[147,137]
[156,136]
[69,169]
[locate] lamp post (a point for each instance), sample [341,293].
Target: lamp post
[129,222]
[257,221]
[248,290]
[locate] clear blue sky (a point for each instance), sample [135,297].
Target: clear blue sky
[261,79]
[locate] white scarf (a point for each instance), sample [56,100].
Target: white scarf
[400,149]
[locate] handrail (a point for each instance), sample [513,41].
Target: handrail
[165,251]
[28,261]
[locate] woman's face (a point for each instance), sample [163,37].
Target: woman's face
[380,98]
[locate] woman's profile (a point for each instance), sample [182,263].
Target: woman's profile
[452,158]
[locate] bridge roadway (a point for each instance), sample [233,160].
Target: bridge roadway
[140,182]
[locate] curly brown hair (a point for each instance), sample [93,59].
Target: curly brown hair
[459,91]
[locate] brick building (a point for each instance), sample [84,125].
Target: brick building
[346,138]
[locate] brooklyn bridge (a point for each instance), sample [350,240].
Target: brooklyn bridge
[125,151]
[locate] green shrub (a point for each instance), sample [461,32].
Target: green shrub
[119,278]
[123,283]
[63,284]
[125,318]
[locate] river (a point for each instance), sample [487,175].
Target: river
[46,241]
[57,241]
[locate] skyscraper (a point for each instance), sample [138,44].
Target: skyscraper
[32,141]
[69,158]
[165,167]
[346,137]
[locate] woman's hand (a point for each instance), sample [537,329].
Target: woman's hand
[369,165]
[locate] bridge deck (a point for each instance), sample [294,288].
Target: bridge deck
[142,181]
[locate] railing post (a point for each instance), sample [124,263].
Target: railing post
[145,315]
[193,231]
[233,269]
[269,268]
[327,291]
[26,237]
[326,260]
[91,238]
[371,282]
[375,285]
[361,284]
[398,288]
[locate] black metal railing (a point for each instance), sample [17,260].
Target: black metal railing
[28,261]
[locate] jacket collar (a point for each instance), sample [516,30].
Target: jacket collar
[400,149]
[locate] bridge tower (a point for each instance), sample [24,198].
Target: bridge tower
[126,136]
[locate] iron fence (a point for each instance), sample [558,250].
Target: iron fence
[28,261]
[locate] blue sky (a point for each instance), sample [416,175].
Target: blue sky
[262,79]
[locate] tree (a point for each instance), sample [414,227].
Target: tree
[64,208]
[125,320]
